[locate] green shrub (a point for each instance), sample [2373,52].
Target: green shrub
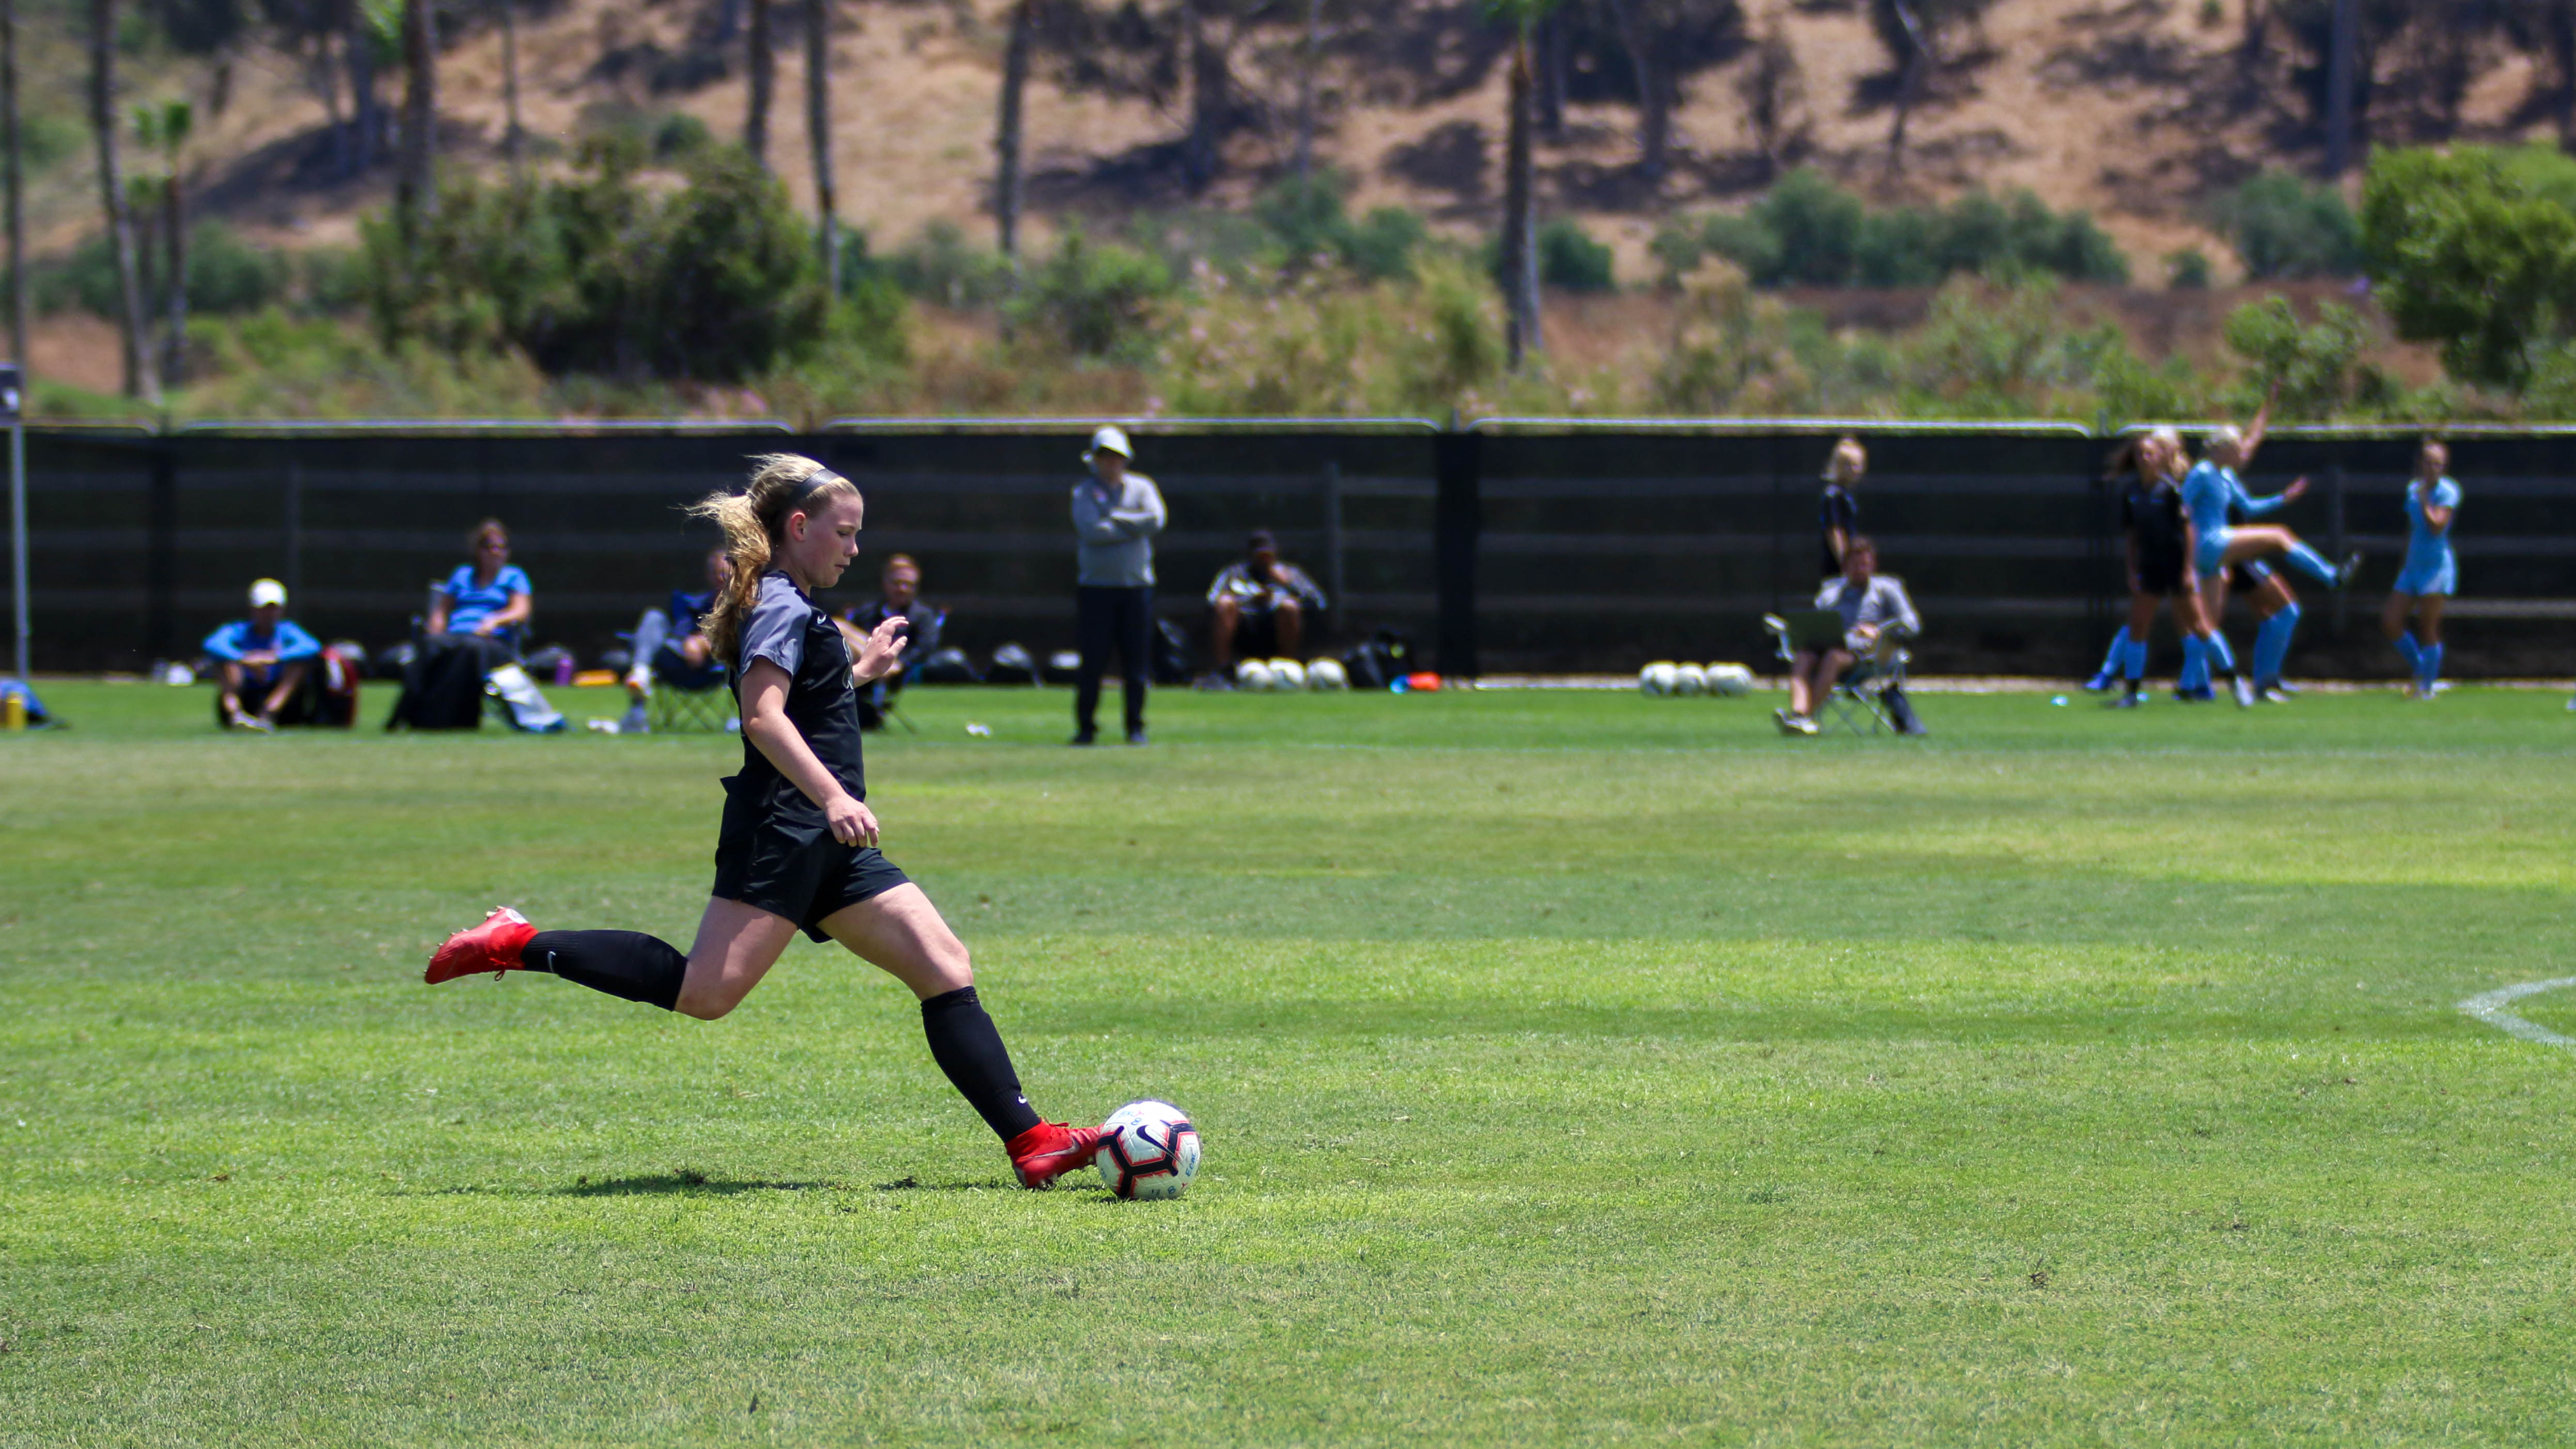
[2187,270]
[1094,300]
[1381,246]
[2284,227]
[2315,366]
[1570,259]
[941,266]
[1810,232]
[2467,255]
[333,279]
[226,275]
[1307,219]
[596,273]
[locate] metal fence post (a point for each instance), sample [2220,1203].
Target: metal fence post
[1457,518]
[294,528]
[161,554]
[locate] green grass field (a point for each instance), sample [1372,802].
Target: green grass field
[1572,1068]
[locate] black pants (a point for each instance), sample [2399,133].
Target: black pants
[1106,619]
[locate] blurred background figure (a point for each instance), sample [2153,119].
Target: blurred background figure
[2431,575]
[1116,513]
[1838,515]
[671,646]
[470,640]
[1260,605]
[1877,619]
[265,663]
[898,597]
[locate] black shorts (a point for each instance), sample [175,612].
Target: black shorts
[788,869]
[2161,574]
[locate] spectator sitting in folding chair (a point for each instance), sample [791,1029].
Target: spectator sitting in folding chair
[1258,607]
[898,597]
[467,649]
[1877,618]
[674,666]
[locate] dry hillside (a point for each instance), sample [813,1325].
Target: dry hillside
[2136,111]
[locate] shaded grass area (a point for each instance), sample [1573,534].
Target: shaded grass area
[1573,1068]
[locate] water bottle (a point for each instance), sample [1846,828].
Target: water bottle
[13,711]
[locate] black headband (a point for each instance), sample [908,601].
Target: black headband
[816,483]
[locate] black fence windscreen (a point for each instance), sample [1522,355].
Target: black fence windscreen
[1517,546]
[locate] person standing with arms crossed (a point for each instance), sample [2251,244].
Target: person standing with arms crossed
[1116,513]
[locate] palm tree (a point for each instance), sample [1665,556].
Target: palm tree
[764,83]
[1006,129]
[818,129]
[415,187]
[1520,205]
[140,380]
[17,215]
[166,129]
[1210,84]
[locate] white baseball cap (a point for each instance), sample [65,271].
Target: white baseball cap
[1110,440]
[266,592]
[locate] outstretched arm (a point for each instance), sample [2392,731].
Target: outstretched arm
[2254,429]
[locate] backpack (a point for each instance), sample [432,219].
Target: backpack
[1174,662]
[1379,663]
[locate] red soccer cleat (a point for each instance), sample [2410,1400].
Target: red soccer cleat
[1049,1151]
[493,946]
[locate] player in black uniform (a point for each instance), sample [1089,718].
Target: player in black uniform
[2159,553]
[797,848]
[1838,513]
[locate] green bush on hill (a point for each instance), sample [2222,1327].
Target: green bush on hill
[1094,300]
[2284,226]
[1810,232]
[2469,254]
[716,281]
[226,275]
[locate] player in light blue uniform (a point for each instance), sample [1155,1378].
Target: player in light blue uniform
[2430,576]
[2208,491]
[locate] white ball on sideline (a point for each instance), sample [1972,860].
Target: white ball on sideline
[1147,1150]
[1288,674]
[1659,678]
[1327,674]
[1730,681]
[1689,679]
[1254,675]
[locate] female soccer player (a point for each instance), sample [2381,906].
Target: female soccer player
[2131,468]
[2430,575]
[2159,561]
[797,847]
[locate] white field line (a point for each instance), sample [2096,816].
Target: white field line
[2489,1007]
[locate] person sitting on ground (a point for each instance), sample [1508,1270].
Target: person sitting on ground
[671,646]
[898,597]
[1260,605]
[265,662]
[1877,617]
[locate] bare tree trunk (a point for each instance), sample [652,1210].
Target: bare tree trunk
[1520,229]
[1654,118]
[1312,58]
[1207,98]
[2342,56]
[514,136]
[764,82]
[1006,133]
[140,380]
[366,113]
[1551,76]
[1909,87]
[176,124]
[2258,21]
[2561,21]
[415,183]
[1771,89]
[818,129]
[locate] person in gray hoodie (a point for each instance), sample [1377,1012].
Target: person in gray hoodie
[1116,513]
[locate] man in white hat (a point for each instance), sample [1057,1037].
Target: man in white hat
[263,658]
[1116,513]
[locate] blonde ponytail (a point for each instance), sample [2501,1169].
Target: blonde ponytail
[755,523]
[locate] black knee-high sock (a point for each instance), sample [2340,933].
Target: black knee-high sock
[970,1051]
[622,963]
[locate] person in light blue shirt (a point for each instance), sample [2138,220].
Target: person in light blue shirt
[263,659]
[488,597]
[2430,576]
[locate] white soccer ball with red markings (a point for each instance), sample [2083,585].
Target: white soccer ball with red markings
[1148,1150]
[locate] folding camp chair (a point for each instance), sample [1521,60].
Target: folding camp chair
[669,709]
[1858,700]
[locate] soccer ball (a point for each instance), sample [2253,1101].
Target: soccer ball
[1288,674]
[1659,678]
[1327,674]
[1689,679]
[1148,1150]
[1733,681]
[1254,675]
